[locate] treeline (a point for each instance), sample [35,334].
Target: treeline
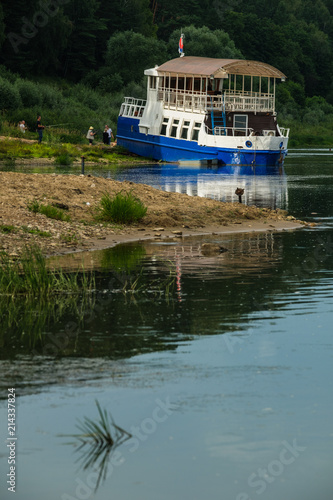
[104,47]
[71,38]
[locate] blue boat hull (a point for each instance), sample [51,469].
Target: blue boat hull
[169,149]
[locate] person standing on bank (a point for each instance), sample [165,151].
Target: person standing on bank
[106,135]
[22,127]
[40,129]
[110,134]
[91,135]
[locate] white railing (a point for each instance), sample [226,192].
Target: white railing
[229,131]
[195,101]
[132,107]
[284,131]
[245,131]
[183,100]
[249,101]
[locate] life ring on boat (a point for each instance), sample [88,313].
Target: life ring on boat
[248,144]
[270,133]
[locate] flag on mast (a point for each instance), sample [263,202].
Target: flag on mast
[181,45]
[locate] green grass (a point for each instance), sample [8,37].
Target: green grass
[7,229]
[123,208]
[30,275]
[37,232]
[63,153]
[304,135]
[48,210]
[63,159]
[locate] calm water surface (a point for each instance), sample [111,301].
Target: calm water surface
[219,367]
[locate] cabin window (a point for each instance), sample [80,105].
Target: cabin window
[184,132]
[197,82]
[195,131]
[181,83]
[240,123]
[174,128]
[164,126]
[173,82]
[152,82]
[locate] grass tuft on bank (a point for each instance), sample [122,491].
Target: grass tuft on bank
[30,275]
[123,208]
[48,210]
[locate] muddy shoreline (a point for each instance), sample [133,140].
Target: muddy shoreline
[169,215]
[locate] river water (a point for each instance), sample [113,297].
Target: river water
[219,367]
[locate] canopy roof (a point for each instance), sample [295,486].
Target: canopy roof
[219,68]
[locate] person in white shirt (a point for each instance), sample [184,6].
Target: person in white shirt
[22,126]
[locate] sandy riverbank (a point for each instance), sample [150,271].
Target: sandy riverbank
[169,215]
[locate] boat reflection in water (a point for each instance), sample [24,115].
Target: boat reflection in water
[263,186]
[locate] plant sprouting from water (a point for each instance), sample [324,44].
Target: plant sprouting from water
[98,439]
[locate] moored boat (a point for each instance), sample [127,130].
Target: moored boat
[207,110]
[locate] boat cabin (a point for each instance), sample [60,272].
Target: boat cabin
[236,97]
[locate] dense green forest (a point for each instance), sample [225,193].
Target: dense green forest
[74,60]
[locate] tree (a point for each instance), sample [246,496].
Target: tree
[2,26]
[36,33]
[80,54]
[129,54]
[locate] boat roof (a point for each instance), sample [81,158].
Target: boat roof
[207,66]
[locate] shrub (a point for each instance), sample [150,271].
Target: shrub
[29,93]
[63,159]
[50,96]
[124,208]
[9,96]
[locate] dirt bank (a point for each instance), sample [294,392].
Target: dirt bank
[168,214]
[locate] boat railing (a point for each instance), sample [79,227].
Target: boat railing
[249,101]
[132,107]
[183,100]
[230,131]
[284,131]
[245,131]
[200,102]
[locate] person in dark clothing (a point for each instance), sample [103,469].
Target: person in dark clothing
[40,129]
[106,135]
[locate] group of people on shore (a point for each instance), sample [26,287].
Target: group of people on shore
[107,134]
[39,128]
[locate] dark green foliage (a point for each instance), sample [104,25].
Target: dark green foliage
[123,208]
[2,27]
[9,96]
[63,159]
[129,54]
[28,91]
